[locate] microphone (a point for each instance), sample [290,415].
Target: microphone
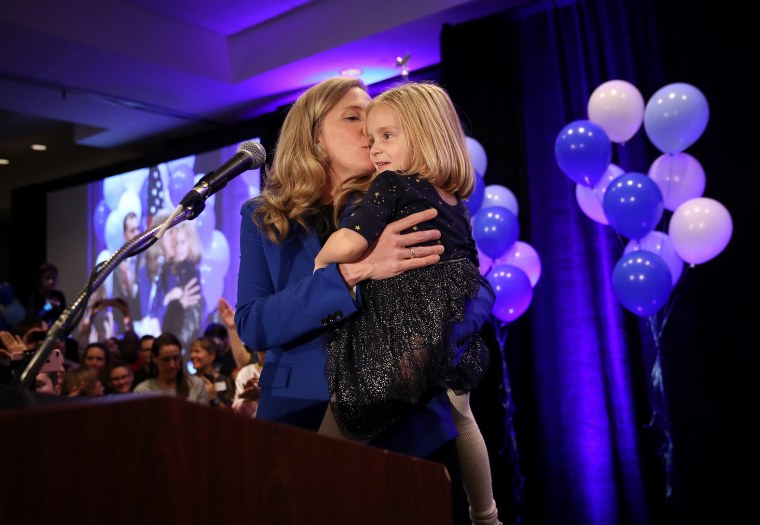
[250,155]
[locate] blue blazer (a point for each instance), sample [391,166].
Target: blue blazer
[283,308]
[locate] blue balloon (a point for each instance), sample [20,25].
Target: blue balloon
[495,229]
[583,152]
[475,200]
[181,180]
[633,205]
[675,117]
[513,292]
[642,282]
[99,218]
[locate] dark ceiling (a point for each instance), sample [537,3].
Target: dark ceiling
[104,81]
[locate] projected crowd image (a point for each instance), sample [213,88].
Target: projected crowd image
[175,285]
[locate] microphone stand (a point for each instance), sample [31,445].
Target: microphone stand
[63,325]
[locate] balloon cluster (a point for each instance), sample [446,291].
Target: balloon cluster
[632,203]
[512,266]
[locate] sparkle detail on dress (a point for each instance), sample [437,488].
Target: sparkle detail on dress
[379,366]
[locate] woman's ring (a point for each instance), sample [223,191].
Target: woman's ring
[411,253]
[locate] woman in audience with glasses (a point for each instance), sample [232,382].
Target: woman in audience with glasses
[119,379]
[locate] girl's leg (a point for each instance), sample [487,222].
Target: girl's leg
[473,458]
[329,426]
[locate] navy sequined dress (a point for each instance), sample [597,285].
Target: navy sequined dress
[397,350]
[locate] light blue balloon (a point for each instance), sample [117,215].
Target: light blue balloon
[498,195]
[477,155]
[675,117]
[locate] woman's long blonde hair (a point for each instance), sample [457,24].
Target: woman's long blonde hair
[437,148]
[299,172]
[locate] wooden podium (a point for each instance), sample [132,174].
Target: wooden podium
[142,460]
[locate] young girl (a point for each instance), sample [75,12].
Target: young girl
[398,350]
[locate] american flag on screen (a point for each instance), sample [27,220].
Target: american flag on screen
[155,193]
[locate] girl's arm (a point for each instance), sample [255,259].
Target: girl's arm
[345,245]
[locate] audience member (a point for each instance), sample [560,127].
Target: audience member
[71,355]
[98,323]
[219,387]
[32,332]
[82,382]
[49,383]
[46,302]
[11,309]
[234,354]
[114,349]
[172,378]
[120,378]
[247,389]
[144,367]
[96,356]
[129,346]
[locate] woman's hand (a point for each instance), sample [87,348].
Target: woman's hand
[13,344]
[391,254]
[226,313]
[210,387]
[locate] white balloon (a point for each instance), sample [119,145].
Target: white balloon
[680,178]
[218,250]
[618,107]
[700,229]
[133,180]
[478,156]
[113,187]
[115,230]
[498,195]
[130,201]
[107,284]
[591,199]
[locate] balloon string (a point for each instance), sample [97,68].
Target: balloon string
[672,301]
[660,414]
[621,242]
[510,435]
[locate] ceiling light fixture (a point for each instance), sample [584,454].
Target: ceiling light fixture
[39,147]
[4,162]
[353,72]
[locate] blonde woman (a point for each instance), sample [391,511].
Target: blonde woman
[284,307]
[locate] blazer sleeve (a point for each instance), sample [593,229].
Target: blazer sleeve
[279,299]
[476,314]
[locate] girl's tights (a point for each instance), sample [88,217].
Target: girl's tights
[473,460]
